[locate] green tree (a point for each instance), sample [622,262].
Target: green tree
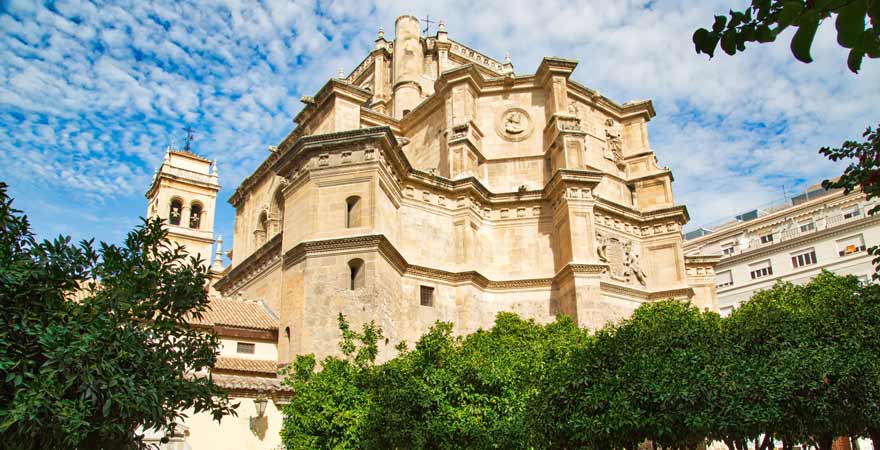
[646,378]
[764,20]
[329,407]
[863,173]
[467,392]
[805,364]
[94,344]
[448,392]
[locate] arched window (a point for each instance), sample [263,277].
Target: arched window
[195,215]
[356,273]
[174,211]
[353,212]
[277,212]
[260,233]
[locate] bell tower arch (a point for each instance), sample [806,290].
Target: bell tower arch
[184,194]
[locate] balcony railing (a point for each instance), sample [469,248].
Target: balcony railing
[189,174]
[798,230]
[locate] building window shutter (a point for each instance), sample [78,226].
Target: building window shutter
[850,245]
[760,270]
[723,279]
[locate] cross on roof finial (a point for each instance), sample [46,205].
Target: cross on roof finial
[428,23]
[189,137]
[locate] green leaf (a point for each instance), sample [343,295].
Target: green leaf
[803,39]
[728,42]
[790,11]
[720,22]
[854,60]
[850,23]
[765,34]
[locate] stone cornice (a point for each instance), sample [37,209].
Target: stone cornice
[378,119]
[409,180]
[380,243]
[252,266]
[709,260]
[614,288]
[389,252]
[381,136]
[157,179]
[552,65]
[475,57]
[844,228]
[332,88]
[677,213]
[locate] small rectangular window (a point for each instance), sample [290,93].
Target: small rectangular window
[723,279]
[803,259]
[806,227]
[727,251]
[851,213]
[760,270]
[850,245]
[245,347]
[426,296]
[767,238]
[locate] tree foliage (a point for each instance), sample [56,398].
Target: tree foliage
[797,364]
[862,173]
[94,343]
[446,393]
[329,407]
[803,361]
[646,378]
[471,392]
[857,23]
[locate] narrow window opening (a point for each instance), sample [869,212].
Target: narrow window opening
[356,274]
[246,348]
[353,212]
[426,296]
[260,232]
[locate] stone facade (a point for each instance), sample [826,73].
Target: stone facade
[434,183]
[431,183]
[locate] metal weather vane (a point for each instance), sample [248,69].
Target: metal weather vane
[189,137]
[428,23]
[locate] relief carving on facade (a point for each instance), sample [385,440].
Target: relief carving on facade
[613,143]
[623,262]
[514,125]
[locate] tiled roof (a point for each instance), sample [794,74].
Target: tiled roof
[227,312]
[262,366]
[249,383]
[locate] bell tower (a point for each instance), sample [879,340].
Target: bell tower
[184,194]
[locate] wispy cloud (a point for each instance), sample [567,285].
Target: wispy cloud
[91,93]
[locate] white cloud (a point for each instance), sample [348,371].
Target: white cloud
[92,93]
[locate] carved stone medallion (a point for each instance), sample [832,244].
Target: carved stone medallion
[514,124]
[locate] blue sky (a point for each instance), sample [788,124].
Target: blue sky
[92,93]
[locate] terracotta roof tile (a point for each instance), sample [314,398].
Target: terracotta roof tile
[246,365]
[250,383]
[227,312]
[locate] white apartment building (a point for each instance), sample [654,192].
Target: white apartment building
[792,240]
